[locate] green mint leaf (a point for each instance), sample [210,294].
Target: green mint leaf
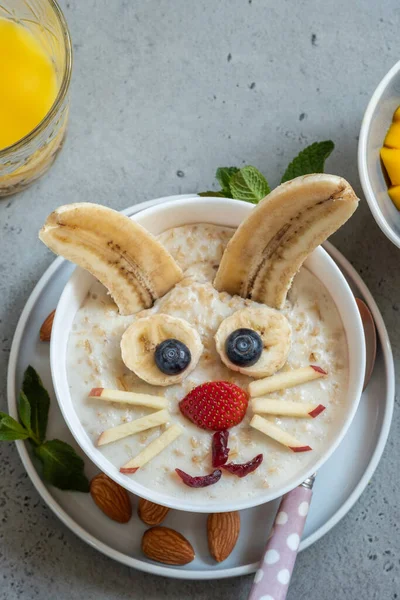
[24,410]
[62,467]
[249,184]
[224,175]
[212,194]
[11,430]
[39,401]
[310,160]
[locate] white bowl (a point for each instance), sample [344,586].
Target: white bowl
[376,122]
[230,213]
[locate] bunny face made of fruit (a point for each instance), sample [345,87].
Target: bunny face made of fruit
[254,275]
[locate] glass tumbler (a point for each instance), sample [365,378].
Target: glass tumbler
[30,157]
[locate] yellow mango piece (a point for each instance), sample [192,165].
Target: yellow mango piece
[394,193]
[392,139]
[396,116]
[391,160]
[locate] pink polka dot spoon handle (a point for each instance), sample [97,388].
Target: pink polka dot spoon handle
[271,582]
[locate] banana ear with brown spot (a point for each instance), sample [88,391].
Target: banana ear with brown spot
[134,267]
[269,247]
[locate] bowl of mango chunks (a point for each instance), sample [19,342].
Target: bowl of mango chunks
[379,154]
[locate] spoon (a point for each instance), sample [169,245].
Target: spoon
[370,339]
[271,581]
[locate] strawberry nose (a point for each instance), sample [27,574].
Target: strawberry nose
[215,405]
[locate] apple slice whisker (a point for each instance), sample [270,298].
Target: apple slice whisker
[286,408]
[120,431]
[133,398]
[277,434]
[285,380]
[152,450]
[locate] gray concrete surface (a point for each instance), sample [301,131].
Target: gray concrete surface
[163,93]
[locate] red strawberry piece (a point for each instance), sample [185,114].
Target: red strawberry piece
[220,450]
[199,482]
[216,405]
[241,470]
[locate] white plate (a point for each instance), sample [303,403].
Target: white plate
[339,484]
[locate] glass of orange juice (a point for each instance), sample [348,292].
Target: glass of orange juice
[35,73]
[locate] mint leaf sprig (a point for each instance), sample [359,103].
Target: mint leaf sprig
[62,467]
[250,185]
[224,176]
[34,405]
[310,160]
[11,430]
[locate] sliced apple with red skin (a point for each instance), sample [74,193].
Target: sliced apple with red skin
[121,431]
[285,380]
[317,411]
[286,408]
[133,398]
[277,434]
[152,449]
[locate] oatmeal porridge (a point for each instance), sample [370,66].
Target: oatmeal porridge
[317,337]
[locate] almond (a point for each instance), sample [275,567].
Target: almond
[47,325]
[167,546]
[223,531]
[111,498]
[151,513]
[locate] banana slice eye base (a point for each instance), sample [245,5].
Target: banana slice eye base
[270,326]
[139,346]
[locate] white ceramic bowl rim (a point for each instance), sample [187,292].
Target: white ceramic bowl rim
[363,155]
[230,213]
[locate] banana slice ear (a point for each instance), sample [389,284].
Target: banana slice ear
[269,247]
[134,267]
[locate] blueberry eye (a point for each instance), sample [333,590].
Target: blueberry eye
[243,347]
[172,357]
